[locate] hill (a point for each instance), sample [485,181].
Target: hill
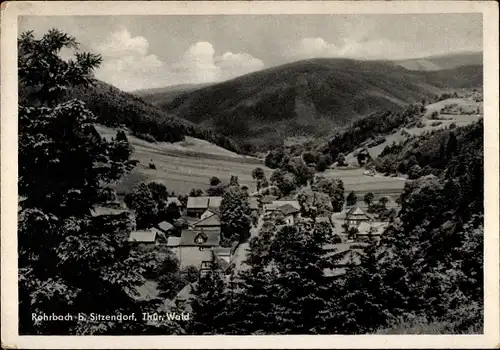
[440,62]
[166,94]
[311,97]
[114,107]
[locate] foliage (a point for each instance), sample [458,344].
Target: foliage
[351,199]
[285,181]
[368,198]
[209,304]
[341,160]
[334,188]
[69,260]
[235,215]
[274,158]
[196,192]
[214,181]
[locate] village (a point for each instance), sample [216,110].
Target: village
[196,245]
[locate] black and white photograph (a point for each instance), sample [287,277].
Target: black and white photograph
[252,174]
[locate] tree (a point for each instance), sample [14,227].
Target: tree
[235,215]
[383,201]
[364,293]
[362,157]
[69,261]
[414,172]
[216,191]
[214,181]
[233,181]
[352,199]
[285,181]
[172,212]
[195,192]
[210,302]
[368,198]
[274,158]
[121,136]
[334,188]
[341,160]
[259,175]
[310,157]
[321,165]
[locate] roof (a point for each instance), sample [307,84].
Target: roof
[197,202]
[377,228]
[357,213]
[293,203]
[214,202]
[188,237]
[147,291]
[173,241]
[174,200]
[253,202]
[97,211]
[288,209]
[222,251]
[145,236]
[165,226]
[268,199]
[211,221]
[213,211]
[203,202]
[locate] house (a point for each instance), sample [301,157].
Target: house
[196,206]
[350,256]
[211,222]
[173,244]
[356,216]
[165,226]
[375,228]
[144,236]
[209,212]
[196,245]
[290,213]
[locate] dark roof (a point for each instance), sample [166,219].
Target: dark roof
[288,209]
[188,237]
[213,220]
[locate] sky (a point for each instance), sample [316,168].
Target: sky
[142,52]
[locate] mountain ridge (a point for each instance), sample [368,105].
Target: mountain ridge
[311,97]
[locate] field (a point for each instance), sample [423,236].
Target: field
[182,166]
[380,186]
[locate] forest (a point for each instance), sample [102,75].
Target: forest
[426,273]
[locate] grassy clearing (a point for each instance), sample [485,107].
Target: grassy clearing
[444,120]
[185,165]
[354,180]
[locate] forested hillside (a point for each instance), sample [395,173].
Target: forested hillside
[311,97]
[432,152]
[116,108]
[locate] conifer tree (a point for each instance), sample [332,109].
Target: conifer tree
[210,302]
[69,260]
[235,214]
